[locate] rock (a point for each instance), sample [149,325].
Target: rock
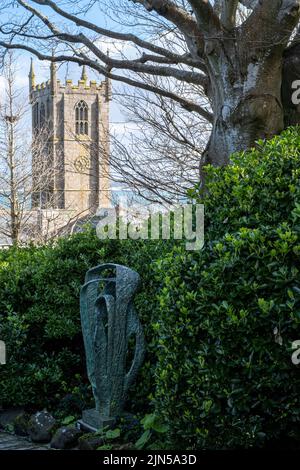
[41,427]
[65,438]
[90,441]
[21,423]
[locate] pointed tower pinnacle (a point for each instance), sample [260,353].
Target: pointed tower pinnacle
[84,76]
[31,76]
[53,75]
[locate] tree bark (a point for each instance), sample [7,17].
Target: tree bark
[245,96]
[251,74]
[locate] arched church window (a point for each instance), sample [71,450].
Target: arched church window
[42,115]
[82,118]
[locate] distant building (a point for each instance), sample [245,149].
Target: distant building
[70,124]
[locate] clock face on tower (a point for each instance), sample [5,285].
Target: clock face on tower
[82,163]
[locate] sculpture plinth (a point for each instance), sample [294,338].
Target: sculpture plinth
[92,420]
[109,320]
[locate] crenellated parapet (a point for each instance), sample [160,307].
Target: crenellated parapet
[54,86]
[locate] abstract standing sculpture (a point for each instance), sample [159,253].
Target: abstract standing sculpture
[109,319]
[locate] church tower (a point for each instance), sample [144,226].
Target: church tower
[70,143]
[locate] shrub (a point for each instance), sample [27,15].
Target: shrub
[40,319]
[229,314]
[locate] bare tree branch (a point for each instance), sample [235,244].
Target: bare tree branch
[190,27]
[206,17]
[188,105]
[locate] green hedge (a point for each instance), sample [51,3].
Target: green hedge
[40,319]
[229,314]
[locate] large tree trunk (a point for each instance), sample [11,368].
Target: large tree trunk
[245,95]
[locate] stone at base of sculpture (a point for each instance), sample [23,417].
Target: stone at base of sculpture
[93,421]
[109,321]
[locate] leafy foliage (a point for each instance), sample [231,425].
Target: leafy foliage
[40,319]
[229,314]
[154,435]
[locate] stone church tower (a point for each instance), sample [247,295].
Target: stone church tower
[71,143]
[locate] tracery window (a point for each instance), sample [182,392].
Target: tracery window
[82,118]
[42,116]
